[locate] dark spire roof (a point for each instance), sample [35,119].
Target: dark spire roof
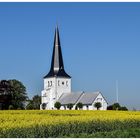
[57,66]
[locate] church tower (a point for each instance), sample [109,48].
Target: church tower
[57,81]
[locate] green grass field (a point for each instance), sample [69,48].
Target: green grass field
[128,133]
[69,124]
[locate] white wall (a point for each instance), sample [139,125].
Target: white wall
[100,99]
[103,102]
[47,97]
[49,82]
[62,108]
[63,86]
[58,85]
[53,88]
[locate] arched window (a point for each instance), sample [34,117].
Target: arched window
[58,83]
[50,83]
[66,83]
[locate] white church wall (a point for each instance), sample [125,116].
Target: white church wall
[63,86]
[49,93]
[100,99]
[59,85]
[88,107]
[91,107]
[84,107]
[74,106]
[65,107]
[62,108]
[53,89]
[49,83]
[103,102]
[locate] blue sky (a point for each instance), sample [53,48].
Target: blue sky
[100,44]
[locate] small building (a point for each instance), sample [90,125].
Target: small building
[57,86]
[87,99]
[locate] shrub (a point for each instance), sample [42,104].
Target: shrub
[123,108]
[97,105]
[79,105]
[57,105]
[70,106]
[117,106]
[44,106]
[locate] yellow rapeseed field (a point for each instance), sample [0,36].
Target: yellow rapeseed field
[44,123]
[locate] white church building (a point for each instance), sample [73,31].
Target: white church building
[57,86]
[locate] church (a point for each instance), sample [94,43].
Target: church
[57,86]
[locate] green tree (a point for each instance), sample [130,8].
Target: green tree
[5,87]
[79,105]
[30,105]
[5,94]
[70,106]
[116,106]
[18,92]
[110,107]
[97,105]
[12,92]
[123,108]
[57,105]
[34,103]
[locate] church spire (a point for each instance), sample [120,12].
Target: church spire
[57,59]
[57,66]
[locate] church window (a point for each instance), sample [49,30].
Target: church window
[67,83]
[58,83]
[50,83]
[62,83]
[99,99]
